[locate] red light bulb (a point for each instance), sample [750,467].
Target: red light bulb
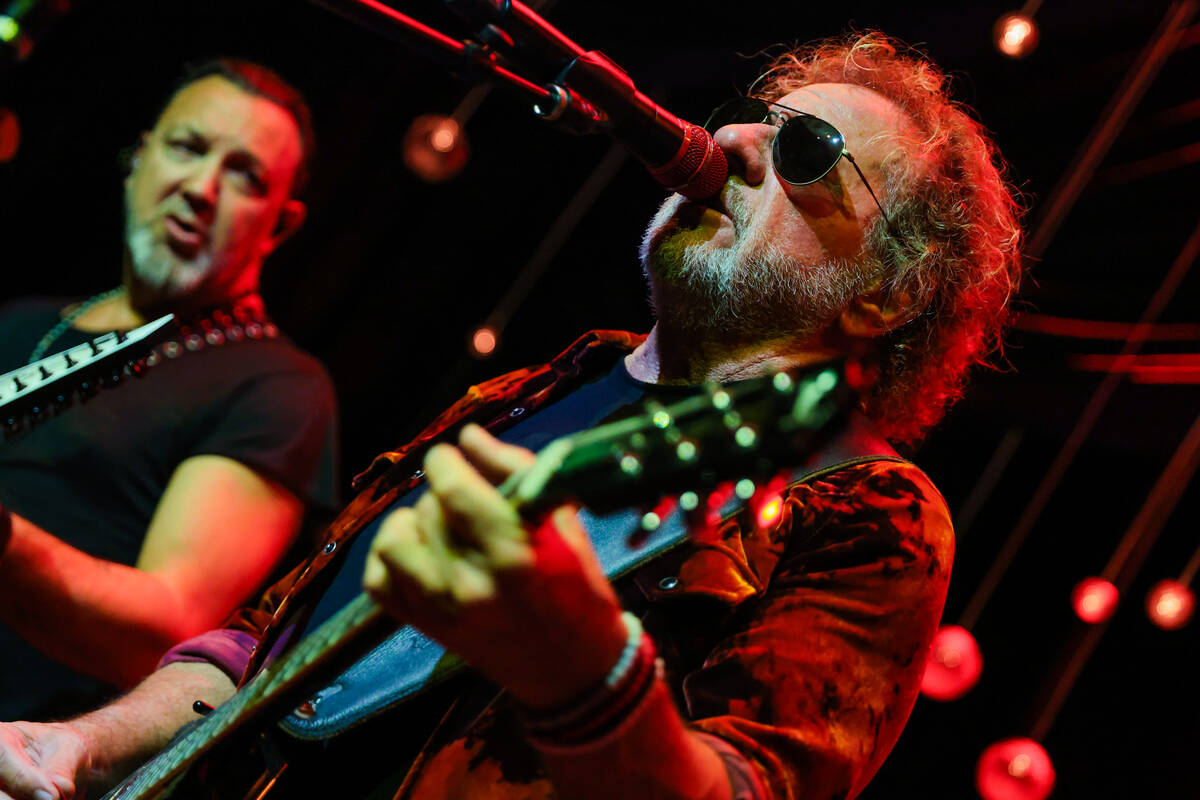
[1170,604]
[1094,599]
[953,666]
[436,148]
[1014,769]
[483,342]
[1015,34]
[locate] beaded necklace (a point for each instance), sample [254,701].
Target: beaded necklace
[241,320]
[58,330]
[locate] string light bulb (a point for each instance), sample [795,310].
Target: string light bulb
[1094,600]
[1015,34]
[10,135]
[1170,604]
[436,148]
[1014,769]
[483,342]
[954,664]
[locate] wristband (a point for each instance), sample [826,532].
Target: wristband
[603,713]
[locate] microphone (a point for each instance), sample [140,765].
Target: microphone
[680,155]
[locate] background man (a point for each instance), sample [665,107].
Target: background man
[791,652]
[143,516]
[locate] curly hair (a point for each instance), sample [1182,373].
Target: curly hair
[954,243]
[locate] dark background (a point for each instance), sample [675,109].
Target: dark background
[391,275]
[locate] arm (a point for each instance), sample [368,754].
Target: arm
[217,531]
[533,611]
[57,758]
[806,694]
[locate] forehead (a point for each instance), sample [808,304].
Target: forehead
[232,118]
[864,116]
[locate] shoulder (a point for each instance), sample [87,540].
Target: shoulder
[882,505]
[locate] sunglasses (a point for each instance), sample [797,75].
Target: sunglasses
[805,149]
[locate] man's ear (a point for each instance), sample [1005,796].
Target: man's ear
[291,217]
[879,310]
[135,154]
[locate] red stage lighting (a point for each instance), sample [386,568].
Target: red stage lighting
[953,666]
[1014,769]
[10,135]
[1015,34]
[1170,604]
[1094,599]
[435,147]
[483,342]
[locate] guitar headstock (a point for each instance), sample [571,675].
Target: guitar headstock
[29,393]
[744,431]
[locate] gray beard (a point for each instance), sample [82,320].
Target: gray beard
[751,292]
[157,267]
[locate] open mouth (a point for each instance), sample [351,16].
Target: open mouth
[183,232]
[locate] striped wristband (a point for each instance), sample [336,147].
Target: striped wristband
[601,714]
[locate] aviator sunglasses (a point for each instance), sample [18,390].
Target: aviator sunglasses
[805,149]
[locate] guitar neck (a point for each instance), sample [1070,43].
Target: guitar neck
[344,637]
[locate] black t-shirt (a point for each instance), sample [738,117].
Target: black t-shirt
[93,474]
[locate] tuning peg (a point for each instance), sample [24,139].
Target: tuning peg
[718,397]
[630,464]
[745,436]
[686,450]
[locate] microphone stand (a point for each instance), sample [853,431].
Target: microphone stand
[553,102]
[681,156]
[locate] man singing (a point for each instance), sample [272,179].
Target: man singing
[145,515]
[865,217]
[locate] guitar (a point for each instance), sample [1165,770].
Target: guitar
[29,393]
[724,439]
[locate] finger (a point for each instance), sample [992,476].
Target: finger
[24,780]
[398,554]
[471,506]
[494,459]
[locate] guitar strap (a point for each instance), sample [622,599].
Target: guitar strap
[409,663]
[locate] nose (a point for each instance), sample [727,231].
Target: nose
[747,149]
[201,187]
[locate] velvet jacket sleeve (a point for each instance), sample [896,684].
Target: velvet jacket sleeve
[817,672]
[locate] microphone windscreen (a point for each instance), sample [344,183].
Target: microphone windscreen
[698,170]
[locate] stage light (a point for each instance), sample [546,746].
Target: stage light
[770,511]
[1014,769]
[435,147]
[10,135]
[483,342]
[1170,604]
[8,28]
[953,666]
[1094,599]
[1015,34]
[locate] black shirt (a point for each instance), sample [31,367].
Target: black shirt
[93,474]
